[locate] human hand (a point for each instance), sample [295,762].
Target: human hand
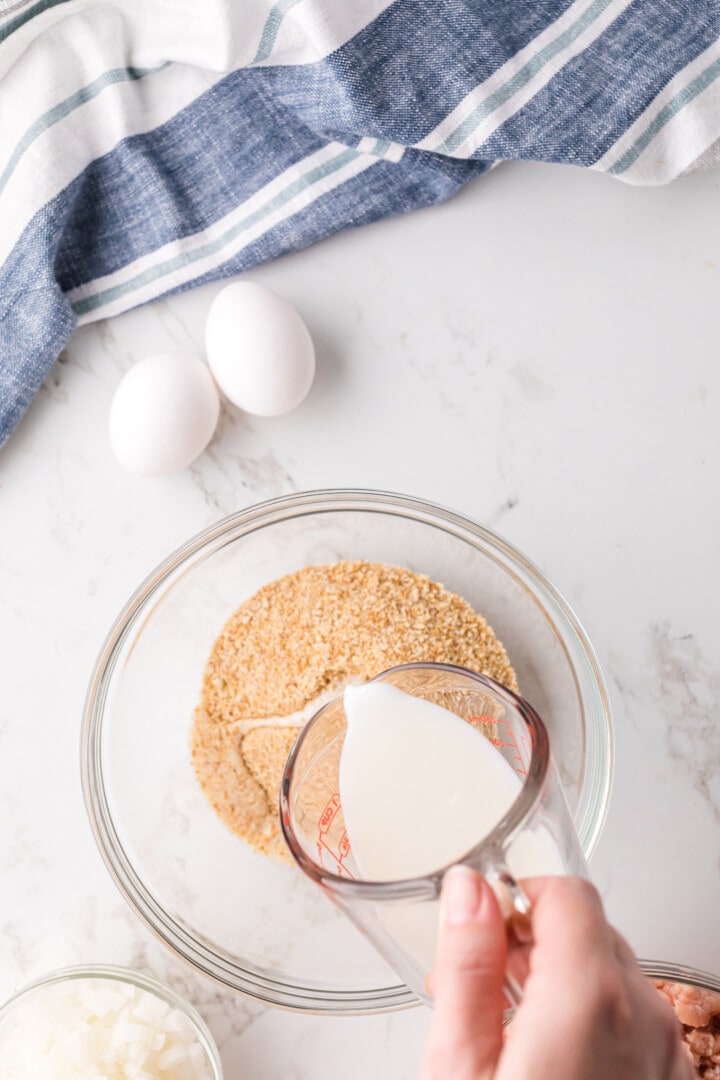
[587,1012]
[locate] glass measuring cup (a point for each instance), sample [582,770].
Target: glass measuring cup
[535,836]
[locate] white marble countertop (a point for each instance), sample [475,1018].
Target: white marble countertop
[540,354]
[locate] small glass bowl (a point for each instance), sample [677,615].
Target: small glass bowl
[257,926]
[120,974]
[689,1011]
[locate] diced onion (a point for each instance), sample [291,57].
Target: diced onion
[99,1029]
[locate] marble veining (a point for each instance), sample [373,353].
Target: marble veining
[506,355]
[689,692]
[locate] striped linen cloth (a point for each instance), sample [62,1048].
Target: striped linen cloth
[147,146]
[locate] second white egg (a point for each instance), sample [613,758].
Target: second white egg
[163,413]
[259,349]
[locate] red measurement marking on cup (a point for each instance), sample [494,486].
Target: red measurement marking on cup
[328,815]
[325,845]
[337,859]
[507,741]
[527,744]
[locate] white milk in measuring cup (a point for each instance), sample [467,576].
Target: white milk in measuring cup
[419,788]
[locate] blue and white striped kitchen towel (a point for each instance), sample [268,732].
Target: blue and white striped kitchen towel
[150,145]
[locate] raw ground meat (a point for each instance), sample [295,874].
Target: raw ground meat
[699,1013]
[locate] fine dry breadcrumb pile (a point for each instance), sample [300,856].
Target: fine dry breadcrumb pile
[699,1013]
[298,637]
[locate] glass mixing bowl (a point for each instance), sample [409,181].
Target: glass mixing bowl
[257,926]
[12,1011]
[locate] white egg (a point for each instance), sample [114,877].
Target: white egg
[163,414]
[259,349]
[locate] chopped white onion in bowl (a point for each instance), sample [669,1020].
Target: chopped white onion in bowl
[105,1025]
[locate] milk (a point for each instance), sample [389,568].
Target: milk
[419,788]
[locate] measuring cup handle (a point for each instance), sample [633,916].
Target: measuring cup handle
[516,899]
[515,907]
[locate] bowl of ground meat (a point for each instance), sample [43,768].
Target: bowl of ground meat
[695,998]
[232,644]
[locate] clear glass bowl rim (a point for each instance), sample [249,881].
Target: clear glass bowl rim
[136,978]
[201,956]
[667,972]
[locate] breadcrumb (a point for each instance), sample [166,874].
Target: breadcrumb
[299,637]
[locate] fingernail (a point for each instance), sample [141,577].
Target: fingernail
[462,895]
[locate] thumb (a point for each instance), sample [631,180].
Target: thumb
[466,1033]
